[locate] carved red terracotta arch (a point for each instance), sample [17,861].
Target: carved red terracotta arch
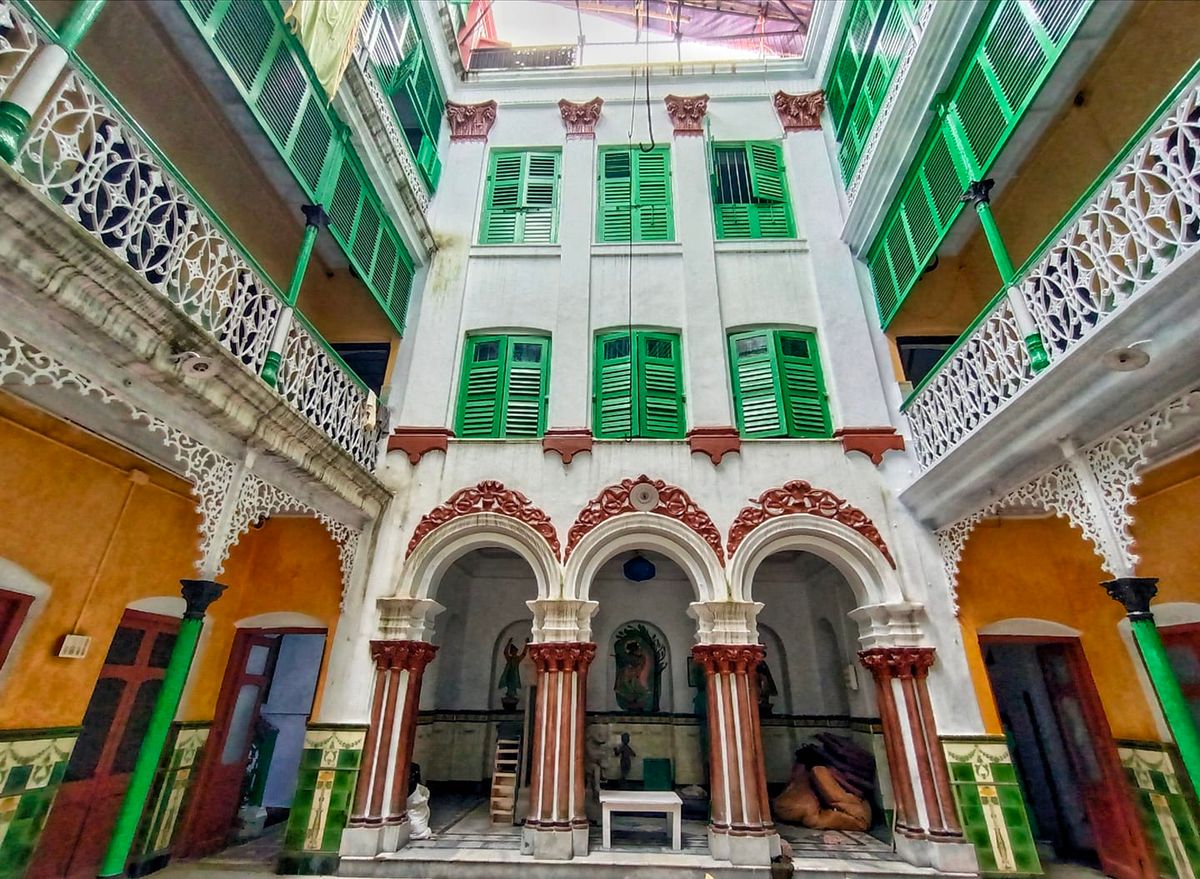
[673,501]
[488,496]
[800,498]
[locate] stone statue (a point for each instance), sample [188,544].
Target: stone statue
[766,688]
[418,805]
[626,753]
[510,677]
[597,745]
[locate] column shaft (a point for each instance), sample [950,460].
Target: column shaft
[893,743]
[941,774]
[370,750]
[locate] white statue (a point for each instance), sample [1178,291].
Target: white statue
[418,806]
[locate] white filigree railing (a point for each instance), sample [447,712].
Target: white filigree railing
[86,155]
[1141,219]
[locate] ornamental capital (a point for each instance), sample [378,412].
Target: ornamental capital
[562,655]
[410,656]
[687,113]
[729,658]
[580,119]
[886,663]
[800,112]
[1134,594]
[979,192]
[470,121]
[198,595]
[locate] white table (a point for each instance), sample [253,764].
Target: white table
[663,801]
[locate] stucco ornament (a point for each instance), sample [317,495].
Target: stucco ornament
[673,501]
[470,121]
[801,498]
[687,113]
[800,112]
[489,496]
[580,119]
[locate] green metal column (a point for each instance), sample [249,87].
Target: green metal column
[1134,594]
[38,78]
[979,194]
[315,219]
[198,594]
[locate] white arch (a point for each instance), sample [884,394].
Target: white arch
[646,531]
[16,579]
[1028,626]
[165,605]
[871,578]
[281,619]
[422,572]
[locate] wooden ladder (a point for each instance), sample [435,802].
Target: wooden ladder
[504,780]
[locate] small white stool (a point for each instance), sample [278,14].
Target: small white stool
[663,801]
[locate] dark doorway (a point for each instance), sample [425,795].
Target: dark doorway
[1064,753]
[80,824]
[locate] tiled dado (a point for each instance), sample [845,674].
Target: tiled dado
[324,794]
[172,782]
[32,765]
[1167,812]
[991,805]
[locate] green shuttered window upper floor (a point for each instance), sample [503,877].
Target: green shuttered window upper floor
[520,203]
[749,189]
[1013,53]
[778,389]
[635,195]
[503,388]
[638,386]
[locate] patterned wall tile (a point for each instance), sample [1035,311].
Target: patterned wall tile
[172,782]
[1167,811]
[991,806]
[324,796]
[32,765]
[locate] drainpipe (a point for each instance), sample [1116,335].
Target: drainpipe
[198,594]
[1134,594]
[315,219]
[979,195]
[31,90]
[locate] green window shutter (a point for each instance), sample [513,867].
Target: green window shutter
[805,400]
[613,415]
[750,198]
[654,218]
[615,219]
[528,365]
[502,201]
[757,394]
[521,200]
[539,198]
[769,188]
[480,398]
[660,386]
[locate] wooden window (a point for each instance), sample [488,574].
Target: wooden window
[520,205]
[13,608]
[750,197]
[635,195]
[503,389]
[778,389]
[638,387]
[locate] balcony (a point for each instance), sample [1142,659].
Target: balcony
[522,58]
[87,155]
[1118,271]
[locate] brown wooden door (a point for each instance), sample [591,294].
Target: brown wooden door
[219,793]
[80,824]
[1118,837]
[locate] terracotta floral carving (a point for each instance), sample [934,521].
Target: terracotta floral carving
[470,121]
[580,119]
[672,501]
[488,496]
[565,655]
[800,112]
[728,657]
[687,113]
[898,662]
[410,655]
[800,498]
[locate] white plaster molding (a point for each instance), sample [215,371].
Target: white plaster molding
[726,622]
[407,619]
[896,624]
[281,619]
[15,578]
[1028,626]
[562,619]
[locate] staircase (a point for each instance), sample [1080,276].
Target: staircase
[504,780]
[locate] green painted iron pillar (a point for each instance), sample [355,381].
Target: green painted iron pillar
[315,219]
[39,77]
[198,594]
[1134,594]
[979,195]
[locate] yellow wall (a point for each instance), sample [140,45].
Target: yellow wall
[62,489]
[1153,48]
[1042,568]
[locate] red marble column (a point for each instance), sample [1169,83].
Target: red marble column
[369,774]
[741,829]
[411,657]
[877,661]
[557,818]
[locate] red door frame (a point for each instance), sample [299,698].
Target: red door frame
[195,838]
[14,606]
[1137,859]
[80,823]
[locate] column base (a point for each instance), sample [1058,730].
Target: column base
[718,844]
[396,834]
[369,841]
[957,856]
[553,844]
[753,851]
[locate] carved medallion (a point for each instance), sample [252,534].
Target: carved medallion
[488,496]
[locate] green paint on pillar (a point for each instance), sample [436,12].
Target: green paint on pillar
[270,368]
[78,22]
[198,594]
[14,122]
[315,219]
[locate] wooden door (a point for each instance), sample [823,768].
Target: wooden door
[80,824]
[1183,650]
[219,789]
[1117,834]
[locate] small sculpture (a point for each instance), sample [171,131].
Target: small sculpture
[640,659]
[626,753]
[766,688]
[597,745]
[418,805]
[510,678]
[817,798]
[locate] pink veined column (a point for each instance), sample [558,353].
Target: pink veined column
[878,662]
[413,657]
[557,823]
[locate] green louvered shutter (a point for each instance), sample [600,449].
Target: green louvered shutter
[502,202]
[480,394]
[615,220]
[539,198]
[654,218]
[769,190]
[525,392]
[805,401]
[757,394]
[614,390]
[660,386]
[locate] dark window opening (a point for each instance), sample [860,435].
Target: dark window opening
[368,360]
[920,354]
